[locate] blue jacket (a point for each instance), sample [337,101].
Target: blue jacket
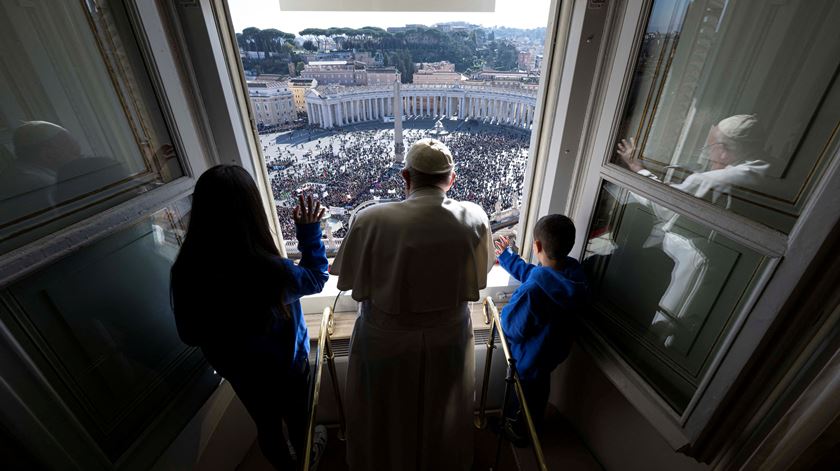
[308,277]
[536,320]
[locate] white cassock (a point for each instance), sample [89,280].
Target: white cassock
[691,264]
[413,265]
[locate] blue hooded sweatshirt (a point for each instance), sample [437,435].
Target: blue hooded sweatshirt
[536,321]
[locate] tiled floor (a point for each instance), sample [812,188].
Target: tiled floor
[561,447]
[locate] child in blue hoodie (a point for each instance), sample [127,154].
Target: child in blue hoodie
[536,321]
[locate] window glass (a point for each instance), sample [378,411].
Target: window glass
[666,288]
[80,127]
[736,103]
[103,329]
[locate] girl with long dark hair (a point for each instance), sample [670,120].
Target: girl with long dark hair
[237,298]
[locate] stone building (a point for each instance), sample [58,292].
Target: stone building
[272,106]
[332,106]
[298,87]
[382,75]
[336,72]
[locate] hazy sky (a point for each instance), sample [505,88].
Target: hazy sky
[266,14]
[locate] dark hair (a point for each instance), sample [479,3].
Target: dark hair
[228,260]
[227,216]
[556,232]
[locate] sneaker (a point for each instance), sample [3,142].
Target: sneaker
[515,435]
[508,428]
[319,446]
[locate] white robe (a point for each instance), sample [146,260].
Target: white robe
[691,264]
[413,265]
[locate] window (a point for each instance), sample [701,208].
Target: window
[80,126]
[667,287]
[105,336]
[735,103]
[98,140]
[345,154]
[690,226]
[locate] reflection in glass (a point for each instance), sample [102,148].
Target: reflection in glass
[80,127]
[666,287]
[102,324]
[736,103]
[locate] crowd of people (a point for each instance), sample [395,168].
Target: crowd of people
[347,168]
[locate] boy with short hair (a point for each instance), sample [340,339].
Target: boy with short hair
[536,321]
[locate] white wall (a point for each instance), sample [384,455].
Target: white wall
[616,434]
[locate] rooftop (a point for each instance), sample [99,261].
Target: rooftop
[325,63]
[267,92]
[301,81]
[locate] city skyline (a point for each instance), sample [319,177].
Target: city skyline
[263,14]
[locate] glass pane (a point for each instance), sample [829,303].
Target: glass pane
[736,102]
[666,288]
[102,327]
[80,127]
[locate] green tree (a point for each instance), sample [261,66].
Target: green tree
[506,56]
[249,35]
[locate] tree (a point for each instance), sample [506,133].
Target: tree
[310,46]
[407,69]
[273,40]
[249,36]
[506,56]
[319,33]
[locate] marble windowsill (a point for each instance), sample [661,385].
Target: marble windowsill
[344,322]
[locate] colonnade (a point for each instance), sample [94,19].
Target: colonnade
[332,107]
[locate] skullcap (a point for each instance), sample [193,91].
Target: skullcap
[429,156]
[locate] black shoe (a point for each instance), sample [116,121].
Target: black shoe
[518,438]
[508,428]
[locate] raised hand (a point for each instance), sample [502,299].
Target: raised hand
[501,245]
[625,150]
[307,213]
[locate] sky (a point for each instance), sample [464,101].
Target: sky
[265,14]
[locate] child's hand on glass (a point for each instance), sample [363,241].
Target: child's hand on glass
[307,213]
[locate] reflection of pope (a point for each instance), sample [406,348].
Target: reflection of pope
[733,152]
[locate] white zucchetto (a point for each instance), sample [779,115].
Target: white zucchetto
[429,156]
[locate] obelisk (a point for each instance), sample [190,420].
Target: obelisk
[399,148]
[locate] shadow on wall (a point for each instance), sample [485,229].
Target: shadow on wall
[616,434]
[216,439]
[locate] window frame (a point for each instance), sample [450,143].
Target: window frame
[166,72]
[557,34]
[623,30]
[40,416]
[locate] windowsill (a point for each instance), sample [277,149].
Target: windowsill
[500,286]
[344,321]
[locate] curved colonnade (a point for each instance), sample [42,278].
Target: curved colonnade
[332,106]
